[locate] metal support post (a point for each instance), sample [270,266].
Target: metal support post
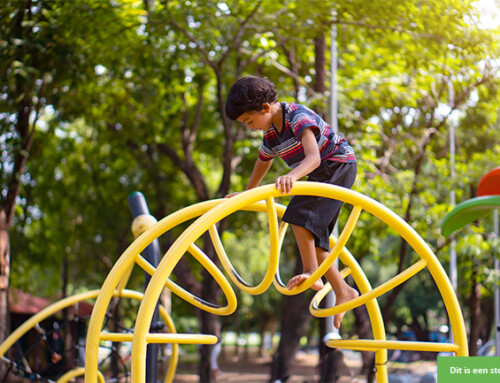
[152,254]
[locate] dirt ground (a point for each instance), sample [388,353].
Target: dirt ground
[305,370]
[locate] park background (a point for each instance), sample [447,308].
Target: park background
[102,98]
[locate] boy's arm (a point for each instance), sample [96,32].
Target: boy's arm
[311,161]
[260,169]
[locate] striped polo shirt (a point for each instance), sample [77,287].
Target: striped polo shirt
[286,144]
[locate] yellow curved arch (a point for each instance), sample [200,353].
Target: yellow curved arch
[78,372]
[210,214]
[118,277]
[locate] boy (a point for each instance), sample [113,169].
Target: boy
[310,147]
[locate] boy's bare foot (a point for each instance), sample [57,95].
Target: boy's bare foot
[347,295]
[298,279]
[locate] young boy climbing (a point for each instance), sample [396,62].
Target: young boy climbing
[309,146]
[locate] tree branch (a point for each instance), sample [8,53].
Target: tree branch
[236,42]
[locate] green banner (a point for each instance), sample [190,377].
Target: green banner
[467,369]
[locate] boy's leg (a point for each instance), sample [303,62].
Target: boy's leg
[343,292]
[305,242]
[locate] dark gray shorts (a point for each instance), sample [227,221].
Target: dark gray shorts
[319,214]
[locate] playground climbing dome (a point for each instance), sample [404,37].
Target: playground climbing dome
[206,216]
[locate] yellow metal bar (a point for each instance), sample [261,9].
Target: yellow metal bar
[182,338]
[116,336]
[363,298]
[190,298]
[421,248]
[146,266]
[78,372]
[165,268]
[161,338]
[174,357]
[175,288]
[276,235]
[281,236]
[124,280]
[189,236]
[345,272]
[215,272]
[373,345]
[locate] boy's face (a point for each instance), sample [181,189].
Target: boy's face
[257,120]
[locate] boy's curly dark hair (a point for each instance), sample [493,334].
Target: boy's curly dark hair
[248,94]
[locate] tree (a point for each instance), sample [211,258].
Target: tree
[43,54]
[406,88]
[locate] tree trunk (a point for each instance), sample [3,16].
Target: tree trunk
[421,333]
[294,323]
[4,282]
[320,63]
[210,323]
[295,320]
[114,327]
[403,247]
[475,313]
[13,188]
[332,366]
[8,209]
[69,330]
[363,328]
[488,318]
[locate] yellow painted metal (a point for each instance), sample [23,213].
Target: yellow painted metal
[124,280]
[372,294]
[42,315]
[273,256]
[374,345]
[78,372]
[167,264]
[174,357]
[141,223]
[187,296]
[150,269]
[218,276]
[345,272]
[262,199]
[160,338]
[120,268]
[190,298]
